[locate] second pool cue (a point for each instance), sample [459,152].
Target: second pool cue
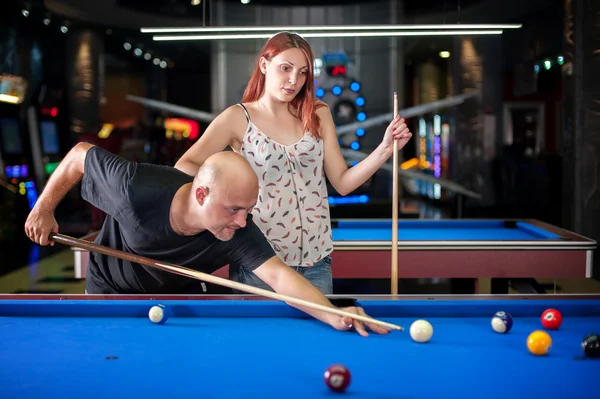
[394,273]
[183,271]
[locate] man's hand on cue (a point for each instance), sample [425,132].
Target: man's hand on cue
[345,323]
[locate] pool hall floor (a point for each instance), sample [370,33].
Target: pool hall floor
[39,270]
[33,269]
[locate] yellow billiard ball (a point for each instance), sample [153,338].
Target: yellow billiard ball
[539,342]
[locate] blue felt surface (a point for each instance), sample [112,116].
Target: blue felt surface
[210,357]
[439,230]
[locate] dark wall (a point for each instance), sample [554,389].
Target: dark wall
[189,83]
[32,50]
[541,38]
[581,137]
[43,54]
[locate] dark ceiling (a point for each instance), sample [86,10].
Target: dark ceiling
[171,8]
[184,8]
[123,18]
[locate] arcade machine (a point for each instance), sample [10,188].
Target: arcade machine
[19,191]
[44,125]
[337,86]
[50,141]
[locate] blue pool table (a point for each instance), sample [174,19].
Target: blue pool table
[467,249]
[106,347]
[444,230]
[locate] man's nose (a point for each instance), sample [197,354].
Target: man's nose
[240,219]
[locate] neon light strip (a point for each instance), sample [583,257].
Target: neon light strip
[437,159]
[328,28]
[327,35]
[422,141]
[437,146]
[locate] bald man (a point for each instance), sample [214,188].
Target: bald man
[159,212]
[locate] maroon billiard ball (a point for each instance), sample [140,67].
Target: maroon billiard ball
[337,378]
[551,319]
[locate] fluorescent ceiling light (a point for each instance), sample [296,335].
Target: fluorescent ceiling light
[325,34]
[329,28]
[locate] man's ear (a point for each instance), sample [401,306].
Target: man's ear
[201,194]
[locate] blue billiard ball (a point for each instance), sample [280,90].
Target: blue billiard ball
[158,314]
[502,322]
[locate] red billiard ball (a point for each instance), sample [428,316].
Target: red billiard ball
[551,319]
[337,378]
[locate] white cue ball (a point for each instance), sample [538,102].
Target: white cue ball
[421,331]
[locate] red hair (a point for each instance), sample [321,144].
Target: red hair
[304,104]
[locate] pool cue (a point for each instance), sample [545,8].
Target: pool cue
[183,271]
[395,209]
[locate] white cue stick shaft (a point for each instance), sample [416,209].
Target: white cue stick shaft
[183,271]
[395,209]
[273,295]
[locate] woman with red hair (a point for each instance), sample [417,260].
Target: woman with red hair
[289,138]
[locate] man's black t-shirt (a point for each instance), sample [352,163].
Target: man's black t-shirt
[137,200]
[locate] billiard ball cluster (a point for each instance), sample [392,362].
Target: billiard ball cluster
[337,377]
[539,342]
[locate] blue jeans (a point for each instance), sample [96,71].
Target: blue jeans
[319,275]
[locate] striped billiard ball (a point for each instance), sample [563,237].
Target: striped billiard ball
[158,314]
[502,322]
[337,378]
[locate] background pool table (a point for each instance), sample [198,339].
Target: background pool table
[464,250]
[101,346]
[522,250]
